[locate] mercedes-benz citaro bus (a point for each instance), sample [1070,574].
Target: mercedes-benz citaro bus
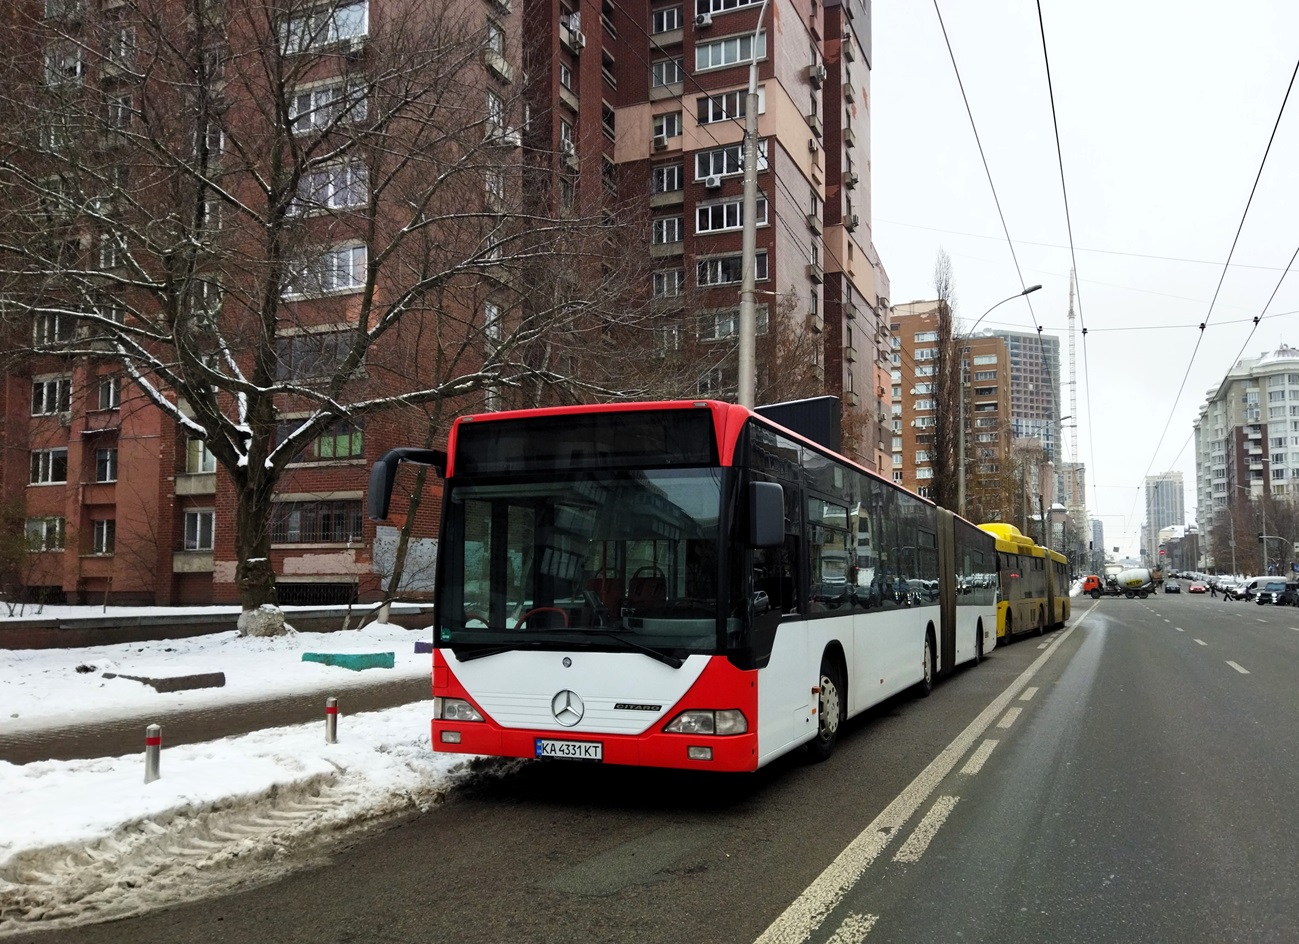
[681,584]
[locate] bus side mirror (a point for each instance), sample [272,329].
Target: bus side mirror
[384,474]
[766,514]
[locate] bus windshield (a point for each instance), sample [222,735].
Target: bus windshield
[599,559]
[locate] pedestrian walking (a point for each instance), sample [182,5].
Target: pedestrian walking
[1213,589]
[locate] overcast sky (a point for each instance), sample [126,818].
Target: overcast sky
[1165,108]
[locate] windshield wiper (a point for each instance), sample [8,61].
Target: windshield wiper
[482,653]
[663,657]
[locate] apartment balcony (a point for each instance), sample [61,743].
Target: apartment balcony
[192,562]
[196,483]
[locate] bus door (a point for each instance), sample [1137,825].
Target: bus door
[946,591]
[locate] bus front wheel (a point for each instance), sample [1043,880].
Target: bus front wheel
[830,706]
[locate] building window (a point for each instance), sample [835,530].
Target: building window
[337,269]
[667,339]
[337,187]
[342,439]
[985,375]
[980,359]
[495,37]
[728,106]
[665,19]
[110,251]
[64,64]
[197,458]
[198,530]
[666,72]
[105,536]
[495,112]
[727,215]
[308,356]
[721,6]
[667,125]
[720,325]
[667,229]
[728,270]
[316,522]
[49,466]
[324,25]
[712,383]
[45,534]
[730,51]
[724,161]
[566,76]
[669,283]
[323,106]
[668,178]
[110,392]
[119,109]
[53,395]
[106,464]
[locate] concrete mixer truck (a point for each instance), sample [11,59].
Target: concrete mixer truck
[1133,582]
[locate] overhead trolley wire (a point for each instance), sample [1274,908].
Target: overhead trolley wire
[1223,275]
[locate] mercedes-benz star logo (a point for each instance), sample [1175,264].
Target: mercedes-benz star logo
[567,708]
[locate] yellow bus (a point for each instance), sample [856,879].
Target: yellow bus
[1034,584]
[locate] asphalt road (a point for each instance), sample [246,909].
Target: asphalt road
[1130,781]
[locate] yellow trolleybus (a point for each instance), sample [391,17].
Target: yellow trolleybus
[1034,584]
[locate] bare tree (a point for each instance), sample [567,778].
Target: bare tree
[261,208]
[948,423]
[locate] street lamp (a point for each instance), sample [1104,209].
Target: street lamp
[960,402]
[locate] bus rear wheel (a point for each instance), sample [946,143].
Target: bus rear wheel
[830,708]
[926,683]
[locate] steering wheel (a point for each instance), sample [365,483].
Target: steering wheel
[649,570]
[470,615]
[542,609]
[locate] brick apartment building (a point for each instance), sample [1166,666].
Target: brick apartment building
[614,105]
[916,407]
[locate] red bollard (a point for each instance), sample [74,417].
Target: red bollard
[152,753]
[331,720]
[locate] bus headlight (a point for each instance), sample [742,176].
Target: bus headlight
[723,722]
[454,709]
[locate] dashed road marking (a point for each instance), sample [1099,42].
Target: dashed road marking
[1201,642]
[1260,619]
[979,757]
[1028,694]
[1239,668]
[805,914]
[1044,645]
[854,929]
[1009,717]
[1180,630]
[924,833]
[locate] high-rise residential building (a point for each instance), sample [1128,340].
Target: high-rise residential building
[1098,544]
[1165,507]
[629,114]
[1035,388]
[917,406]
[1247,439]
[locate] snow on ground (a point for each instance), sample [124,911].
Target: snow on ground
[88,840]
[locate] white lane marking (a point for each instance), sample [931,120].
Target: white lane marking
[1009,718]
[1044,645]
[807,912]
[979,757]
[1260,619]
[1167,621]
[923,834]
[1028,693]
[1201,642]
[1180,630]
[854,929]
[1239,668]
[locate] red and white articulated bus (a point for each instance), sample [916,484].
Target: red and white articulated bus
[681,584]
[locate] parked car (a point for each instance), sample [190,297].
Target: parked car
[1172,586]
[1197,586]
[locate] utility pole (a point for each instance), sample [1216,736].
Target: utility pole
[746,381]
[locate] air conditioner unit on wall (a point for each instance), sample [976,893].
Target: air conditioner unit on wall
[712,182]
[816,74]
[703,20]
[811,146]
[579,39]
[660,142]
